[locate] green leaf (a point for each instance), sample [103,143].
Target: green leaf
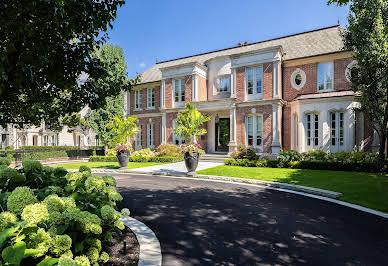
[48,262]
[79,246]
[14,254]
[62,228]
[30,252]
[7,233]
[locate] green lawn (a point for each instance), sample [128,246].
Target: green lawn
[366,189]
[107,165]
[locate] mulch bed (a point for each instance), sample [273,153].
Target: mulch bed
[115,250]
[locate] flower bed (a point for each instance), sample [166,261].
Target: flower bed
[51,216]
[161,159]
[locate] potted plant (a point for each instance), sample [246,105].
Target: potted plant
[123,128]
[188,126]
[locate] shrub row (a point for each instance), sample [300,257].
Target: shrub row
[161,159]
[318,165]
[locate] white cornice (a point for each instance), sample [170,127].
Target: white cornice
[347,98]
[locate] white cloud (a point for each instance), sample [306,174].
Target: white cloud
[142,65]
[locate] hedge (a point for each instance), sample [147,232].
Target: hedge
[163,159]
[318,165]
[47,153]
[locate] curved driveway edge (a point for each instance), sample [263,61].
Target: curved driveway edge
[150,252]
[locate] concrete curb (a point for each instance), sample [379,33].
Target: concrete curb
[150,252]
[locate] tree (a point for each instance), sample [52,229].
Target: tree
[45,53]
[367,37]
[188,123]
[123,129]
[114,63]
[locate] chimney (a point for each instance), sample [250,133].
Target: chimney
[245,43]
[239,44]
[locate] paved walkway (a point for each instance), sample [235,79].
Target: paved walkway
[174,168]
[210,223]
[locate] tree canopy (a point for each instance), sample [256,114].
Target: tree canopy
[45,52]
[367,37]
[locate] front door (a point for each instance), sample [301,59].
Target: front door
[222,135]
[337,139]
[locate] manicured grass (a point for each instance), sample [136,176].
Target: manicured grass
[366,189]
[107,165]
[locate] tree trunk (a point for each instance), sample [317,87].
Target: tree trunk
[106,148]
[383,139]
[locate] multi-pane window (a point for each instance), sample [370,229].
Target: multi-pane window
[150,136]
[179,92]
[254,131]
[97,138]
[254,82]
[4,140]
[337,128]
[45,140]
[150,98]
[312,129]
[138,139]
[177,140]
[138,99]
[325,76]
[223,83]
[52,140]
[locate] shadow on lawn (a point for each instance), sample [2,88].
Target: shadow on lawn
[241,226]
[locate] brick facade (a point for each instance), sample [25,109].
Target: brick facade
[267,81]
[144,109]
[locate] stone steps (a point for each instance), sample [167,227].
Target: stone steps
[214,157]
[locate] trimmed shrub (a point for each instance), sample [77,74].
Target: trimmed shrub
[169,150]
[163,159]
[244,152]
[143,153]
[84,168]
[4,161]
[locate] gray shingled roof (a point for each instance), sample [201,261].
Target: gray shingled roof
[321,41]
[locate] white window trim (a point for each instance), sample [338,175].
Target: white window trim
[138,100]
[150,102]
[312,130]
[337,127]
[324,77]
[218,83]
[254,133]
[255,95]
[150,136]
[138,139]
[179,103]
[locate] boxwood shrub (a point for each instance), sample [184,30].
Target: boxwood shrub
[161,159]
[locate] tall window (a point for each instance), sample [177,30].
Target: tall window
[312,129]
[254,131]
[254,82]
[179,92]
[150,98]
[177,140]
[138,99]
[223,84]
[4,140]
[337,128]
[150,136]
[97,138]
[138,139]
[45,140]
[52,140]
[325,76]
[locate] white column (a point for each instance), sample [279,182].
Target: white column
[164,131]
[232,143]
[194,88]
[275,79]
[233,83]
[162,94]
[276,119]
[127,103]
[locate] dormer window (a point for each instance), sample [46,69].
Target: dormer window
[179,92]
[223,84]
[254,82]
[325,76]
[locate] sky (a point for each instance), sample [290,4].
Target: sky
[158,30]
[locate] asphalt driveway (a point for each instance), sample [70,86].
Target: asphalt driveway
[211,223]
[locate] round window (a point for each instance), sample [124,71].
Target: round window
[298,79]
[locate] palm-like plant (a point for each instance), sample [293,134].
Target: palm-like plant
[188,123]
[123,129]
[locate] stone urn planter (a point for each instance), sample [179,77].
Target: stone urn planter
[123,158]
[191,161]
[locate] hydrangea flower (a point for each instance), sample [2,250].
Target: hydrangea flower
[96,184]
[35,213]
[113,194]
[104,257]
[82,260]
[89,223]
[119,224]
[93,254]
[61,244]
[54,203]
[94,242]
[54,190]
[67,261]
[20,198]
[69,203]
[107,213]
[40,241]
[109,180]
[7,219]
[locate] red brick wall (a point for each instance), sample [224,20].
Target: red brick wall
[267,81]
[168,93]
[143,121]
[144,102]
[240,84]
[286,128]
[340,81]
[188,88]
[266,111]
[202,88]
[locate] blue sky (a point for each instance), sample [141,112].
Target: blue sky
[168,29]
